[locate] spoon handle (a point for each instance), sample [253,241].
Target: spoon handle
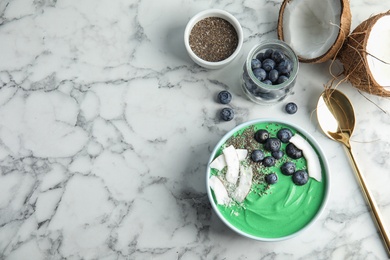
[372,204]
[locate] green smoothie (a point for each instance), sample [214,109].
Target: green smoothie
[272,210]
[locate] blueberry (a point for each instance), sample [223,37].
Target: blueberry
[261,136]
[277,56]
[282,79]
[227,114]
[273,75]
[284,135]
[269,161]
[271,178]
[291,108]
[268,64]
[257,155]
[300,177]
[267,81]
[260,74]
[268,53]
[284,66]
[277,154]
[288,168]
[224,97]
[272,144]
[255,64]
[260,56]
[293,152]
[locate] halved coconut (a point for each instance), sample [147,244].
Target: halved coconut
[366,56]
[314,29]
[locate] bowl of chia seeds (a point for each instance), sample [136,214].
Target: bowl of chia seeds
[213,38]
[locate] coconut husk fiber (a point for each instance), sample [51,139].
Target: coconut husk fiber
[353,56]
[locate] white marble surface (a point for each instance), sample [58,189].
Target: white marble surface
[106,126]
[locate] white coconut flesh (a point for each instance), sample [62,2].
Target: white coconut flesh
[220,162]
[244,184]
[220,192]
[233,164]
[311,27]
[313,162]
[378,49]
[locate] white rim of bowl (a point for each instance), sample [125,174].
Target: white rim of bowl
[213,13]
[313,143]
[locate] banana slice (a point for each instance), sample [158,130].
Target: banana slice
[220,192]
[313,163]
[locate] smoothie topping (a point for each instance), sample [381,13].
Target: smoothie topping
[221,194]
[237,173]
[313,163]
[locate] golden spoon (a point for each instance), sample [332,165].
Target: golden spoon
[337,119]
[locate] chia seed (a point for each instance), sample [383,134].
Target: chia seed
[213,39]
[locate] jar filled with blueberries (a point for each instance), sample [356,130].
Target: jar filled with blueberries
[270,72]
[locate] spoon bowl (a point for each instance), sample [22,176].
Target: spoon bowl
[336,117]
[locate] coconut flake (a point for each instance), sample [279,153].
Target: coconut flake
[219,163]
[233,164]
[313,163]
[244,185]
[220,192]
[379,52]
[311,27]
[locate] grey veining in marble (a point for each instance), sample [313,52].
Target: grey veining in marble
[106,127]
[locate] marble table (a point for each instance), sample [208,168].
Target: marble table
[106,127]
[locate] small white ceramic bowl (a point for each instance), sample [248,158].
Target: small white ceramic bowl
[287,195]
[213,13]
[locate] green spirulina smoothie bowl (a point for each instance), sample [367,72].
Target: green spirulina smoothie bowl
[267,199]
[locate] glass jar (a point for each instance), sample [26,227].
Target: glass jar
[263,93]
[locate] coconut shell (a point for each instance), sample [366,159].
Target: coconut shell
[353,56]
[344,30]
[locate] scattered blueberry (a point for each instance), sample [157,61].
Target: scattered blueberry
[300,177]
[271,178]
[261,136]
[273,75]
[224,97]
[282,79]
[260,74]
[268,64]
[277,56]
[257,155]
[291,108]
[277,154]
[288,168]
[284,66]
[255,64]
[269,161]
[227,114]
[293,152]
[284,135]
[272,144]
